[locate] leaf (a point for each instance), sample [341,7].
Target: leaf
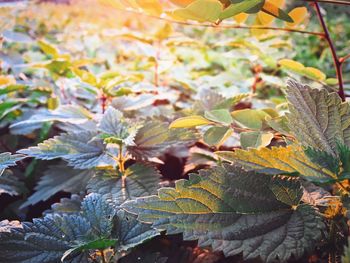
[323,159]
[298,14]
[315,73]
[279,124]
[99,213]
[220,116]
[70,238]
[200,10]
[116,129]
[18,37]
[154,138]
[58,178]
[325,118]
[255,139]
[264,17]
[286,192]
[82,150]
[65,114]
[252,119]
[10,184]
[273,10]
[6,226]
[291,65]
[48,49]
[45,240]
[131,232]
[138,180]
[230,102]
[217,135]
[300,69]
[235,212]
[151,6]
[189,122]
[241,7]
[278,160]
[7,160]
[66,205]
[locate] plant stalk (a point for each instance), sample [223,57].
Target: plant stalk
[336,2]
[336,60]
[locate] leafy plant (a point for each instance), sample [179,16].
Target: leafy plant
[170,136]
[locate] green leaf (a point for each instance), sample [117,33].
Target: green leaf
[48,49]
[278,160]
[45,240]
[323,159]
[116,129]
[221,116]
[72,237]
[200,10]
[72,114]
[286,192]
[252,119]
[255,139]
[189,122]
[280,15]
[81,150]
[59,178]
[318,119]
[235,212]
[279,124]
[230,102]
[138,180]
[217,135]
[130,232]
[99,213]
[154,138]
[241,7]
[10,184]
[7,160]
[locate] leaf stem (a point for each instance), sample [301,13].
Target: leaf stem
[121,159]
[336,60]
[336,2]
[103,256]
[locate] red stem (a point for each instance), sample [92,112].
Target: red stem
[337,62]
[156,66]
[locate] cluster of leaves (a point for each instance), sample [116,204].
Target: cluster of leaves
[101,122]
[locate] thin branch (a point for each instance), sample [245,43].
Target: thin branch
[337,2]
[343,59]
[337,63]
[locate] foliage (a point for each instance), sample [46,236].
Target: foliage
[154,121]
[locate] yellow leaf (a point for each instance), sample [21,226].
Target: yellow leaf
[258,32]
[271,7]
[52,103]
[250,118]
[164,32]
[291,64]
[151,6]
[200,10]
[315,73]
[112,3]
[241,18]
[265,18]
[182,3]
[298,15]
[190,121]
[7,80]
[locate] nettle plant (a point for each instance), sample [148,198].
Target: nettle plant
[279,195]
